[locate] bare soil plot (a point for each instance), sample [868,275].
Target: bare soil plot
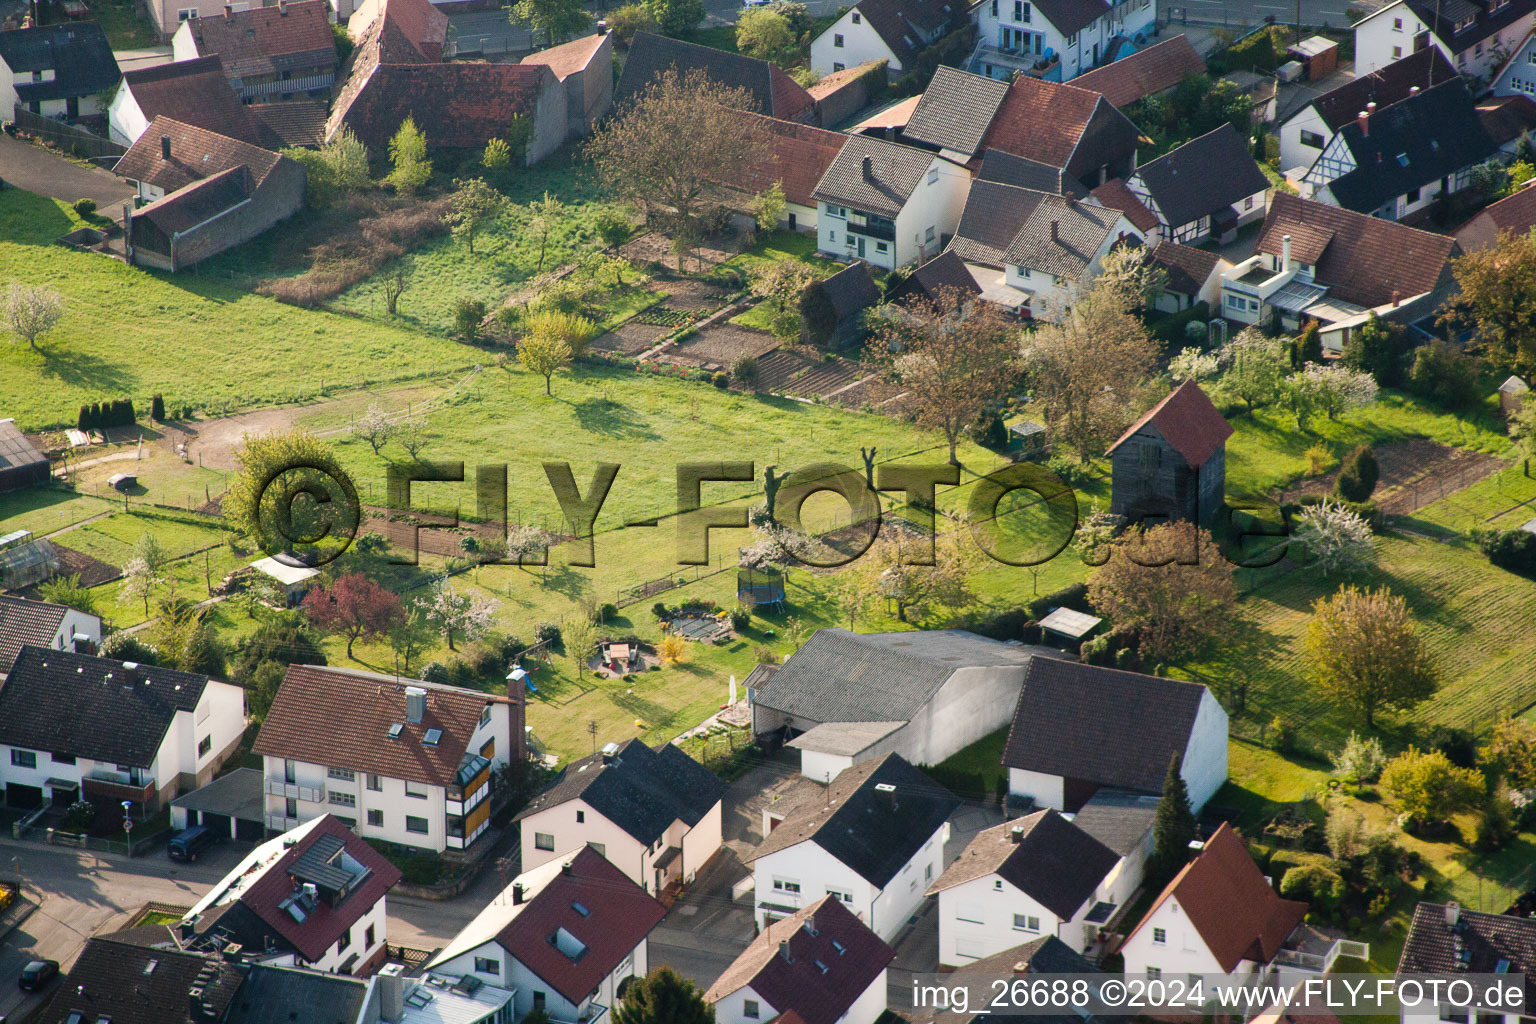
[654,247]
[1414,474]
[93,571]
[719,345]
[693,294]
[629,339]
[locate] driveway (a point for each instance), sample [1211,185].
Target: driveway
[26,166]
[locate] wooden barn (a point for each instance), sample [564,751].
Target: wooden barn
[1171,463]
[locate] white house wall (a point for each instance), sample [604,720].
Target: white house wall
[1046,790]
[732,1007]
[620,848]
[1388,36]
[125,121]
[860,43]
[906,890]
[1519,77]
[1294,153]
[1077,51]
[817,873]
[1205,758]
[701,842]
[976,920]
[1184,951]
[973,703]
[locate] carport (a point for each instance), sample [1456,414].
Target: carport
[232,805]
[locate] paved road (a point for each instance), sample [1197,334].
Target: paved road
[81,894]
[26,166]
[1243,13]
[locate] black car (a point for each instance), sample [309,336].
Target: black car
[189,842]
[37,974]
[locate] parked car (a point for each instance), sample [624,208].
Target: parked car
[189,842]
[37,974]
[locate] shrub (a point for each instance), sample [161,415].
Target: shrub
[468,315]
[1512,550]
[744,370]
[436,672]
[629,19]
[659,609]
[1320,886]
[1282,734]
[607,611]
[989,432]
[672,650]
[741,617]
[1096,651]
[1125,658]
[84,206]
[547,632]
[1443,373]
[1358,475]
[721,380]
[1361,758]
[128,647]
[157,408]
[1074,596]
[80,814]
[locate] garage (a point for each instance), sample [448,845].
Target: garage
[23,798]
[232,805]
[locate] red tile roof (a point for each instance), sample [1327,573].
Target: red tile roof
[196,153]
[568,58]
[1041,120]
[1507,117]
[418,23]
[1230,904]
[1362,259]
[798,985]
[1188,421]
[324,924]
[1117,196]
[1515,213]
[458,105]
[796,156]
[342,720]
[1145,73]
[268,40]
[1187,268]
[194,92]
[619,916]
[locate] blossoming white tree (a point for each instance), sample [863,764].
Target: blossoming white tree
[1337,537]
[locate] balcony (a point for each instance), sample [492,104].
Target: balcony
[283,87]
[872,227]
[294,791]
[281,822]
[1317,957]
[117,786]
[1007,59]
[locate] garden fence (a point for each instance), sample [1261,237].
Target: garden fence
[69,137]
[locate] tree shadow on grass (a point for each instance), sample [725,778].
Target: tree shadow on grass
[608,418]
[30,219]
[87,371]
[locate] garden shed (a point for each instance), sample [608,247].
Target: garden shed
[1070,625]
[833,309]
[1171,463]
[1512,395]
[21,464]
[25,560]
[294,579]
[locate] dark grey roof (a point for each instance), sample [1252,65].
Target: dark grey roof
[76,51]
[1043,855]
[1100,725]
[894,172]
[642,791]
[994,215]
[1048,955]
[1434,946]
[1008,169]
[870,831]
[955,110]
[126,983]
[1431,134]
[905,25]
[282,995]
[1072,16]
[1202,177]
[946,270]
[851,289]
[238,794]
[1442,15]
[773,92]
[83,706]
[15,449]
[26,622]
[1062,236]
[838,676]
[290,123]
[1118,818]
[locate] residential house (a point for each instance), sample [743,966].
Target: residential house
[891,205]
[1207,188]
[205,193]
[894,31]
[1032,876]
[1154,71]
[839,302]
[1393,161]
[850,697]
[393,74]
[1517,75]
[1067,127]
[21,464]
[312,897]
[1056,40]
[795,156]
[1043,956]
[40,624]
[771,89]
[1508,120]
[1220,916]
[1192,275]
[1449,939]
[58,70]
[1319,262]
[408,25]
[928,283]
[1034,253]
[654,814]
[1515,214]
[585,67]
[1082,728]
[567,936]
[1305,133]
[1475,35]
[406,764]
[1115,195]
[117,979]
[75,725]
[819,965]
[953,113]
[1170,465]
[194,92]
[874,838]
[268,53]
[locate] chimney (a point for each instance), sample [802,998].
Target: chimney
[517,894]
[1413,91]
[887,795]
[392,992]
[610,753]
[165,147]
[282,8]
[1370,108]
[415,703]
[601,28]
[1055,231]
[1363,119]
[1397,298]
[229,13]
[784,951]
[869,168]
[1016,834]
[565,869]
[1285,253]
[1452,914]
[195,1002]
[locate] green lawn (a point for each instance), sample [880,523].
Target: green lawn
[133,332]
[125,29]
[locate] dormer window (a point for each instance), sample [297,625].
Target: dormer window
[1466,23]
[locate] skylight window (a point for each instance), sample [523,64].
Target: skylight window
[568,944]
[821,967]
[395,729]
[1402,159]
[583,911]
[433,737]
